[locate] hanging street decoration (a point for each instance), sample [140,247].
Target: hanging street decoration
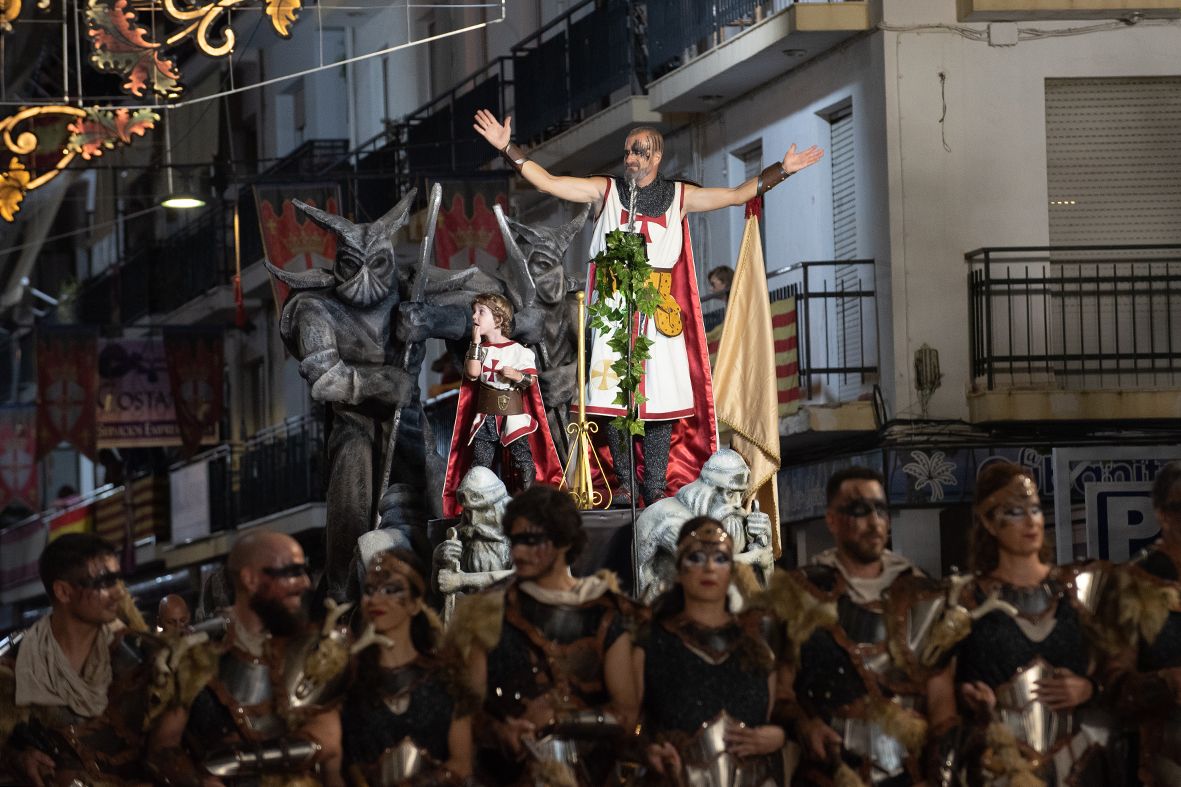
[87,133]
[122,47]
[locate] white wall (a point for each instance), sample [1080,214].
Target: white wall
[987,187]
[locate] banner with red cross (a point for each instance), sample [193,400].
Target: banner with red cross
[196,364]
[67,389]
[18,457]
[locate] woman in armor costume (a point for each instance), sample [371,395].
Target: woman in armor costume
[1144,678]
[707,675]
[1026,669]
[407,718]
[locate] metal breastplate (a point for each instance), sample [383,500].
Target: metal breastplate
[247,683]
[1032,723]
[1089,584]
[707,763]
[867,628]
[868,741]
[401,763]
[575,742]
[560,624]
[1031,602]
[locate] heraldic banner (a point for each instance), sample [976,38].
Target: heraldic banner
[467,234]
[136,404]
[20,547]
[290,240]
[67,389]
[18,457]
[195,373]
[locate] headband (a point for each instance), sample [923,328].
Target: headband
[709,537]
[1028,488]
[386,563]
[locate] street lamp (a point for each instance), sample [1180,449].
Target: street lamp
[184,199]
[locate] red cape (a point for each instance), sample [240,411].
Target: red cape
[547,467]
[695,438]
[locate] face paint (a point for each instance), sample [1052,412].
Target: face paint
[708,543]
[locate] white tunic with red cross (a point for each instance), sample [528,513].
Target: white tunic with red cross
[498,356]
[666,382]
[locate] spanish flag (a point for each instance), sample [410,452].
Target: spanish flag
[745,386]
[75,519]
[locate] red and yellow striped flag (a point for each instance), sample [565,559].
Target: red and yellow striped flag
[787,355]
[745,381]
[75,519]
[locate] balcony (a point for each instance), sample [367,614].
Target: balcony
[593,59]
[699,60]
[439,137]
[825,321]
[1075,333]
[1027,10]
[276,478]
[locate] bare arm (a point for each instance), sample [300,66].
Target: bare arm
[571,189]
[324,729]
[698,199]
[638,657]
[941,707]
[621,682]
[459,743]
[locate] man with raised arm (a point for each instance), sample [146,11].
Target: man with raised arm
[680,431]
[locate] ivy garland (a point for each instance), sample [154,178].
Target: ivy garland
[622,268]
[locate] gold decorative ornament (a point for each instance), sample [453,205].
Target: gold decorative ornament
[9,11]
[577,477]
[201,20]
[91,132]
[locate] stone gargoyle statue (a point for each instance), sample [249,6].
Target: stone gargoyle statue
[716,493]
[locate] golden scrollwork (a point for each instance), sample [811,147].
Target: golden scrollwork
[91,132]
[202,21]
[578,475]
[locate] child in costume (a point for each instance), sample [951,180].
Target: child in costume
[500,408]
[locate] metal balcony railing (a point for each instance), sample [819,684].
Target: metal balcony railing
[282,467]
[1075,317]
[835,320]
[572,67]
[679,29]
[439,137]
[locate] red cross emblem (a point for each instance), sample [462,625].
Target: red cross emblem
[644,221]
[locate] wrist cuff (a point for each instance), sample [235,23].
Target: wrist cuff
[514,155]
[769,178]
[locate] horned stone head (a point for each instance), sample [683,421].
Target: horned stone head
[365,269]
[543,249]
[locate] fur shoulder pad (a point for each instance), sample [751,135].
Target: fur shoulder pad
[793,600]
[477,622]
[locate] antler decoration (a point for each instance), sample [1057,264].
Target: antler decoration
[370,637]
[957,620]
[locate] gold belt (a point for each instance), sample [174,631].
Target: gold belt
[498,401]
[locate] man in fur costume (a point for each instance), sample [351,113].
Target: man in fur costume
[549,653]
[74,690]
[854,714]
[1145,680]
[252,698]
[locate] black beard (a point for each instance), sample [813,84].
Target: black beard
[863,555]
[277,619]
